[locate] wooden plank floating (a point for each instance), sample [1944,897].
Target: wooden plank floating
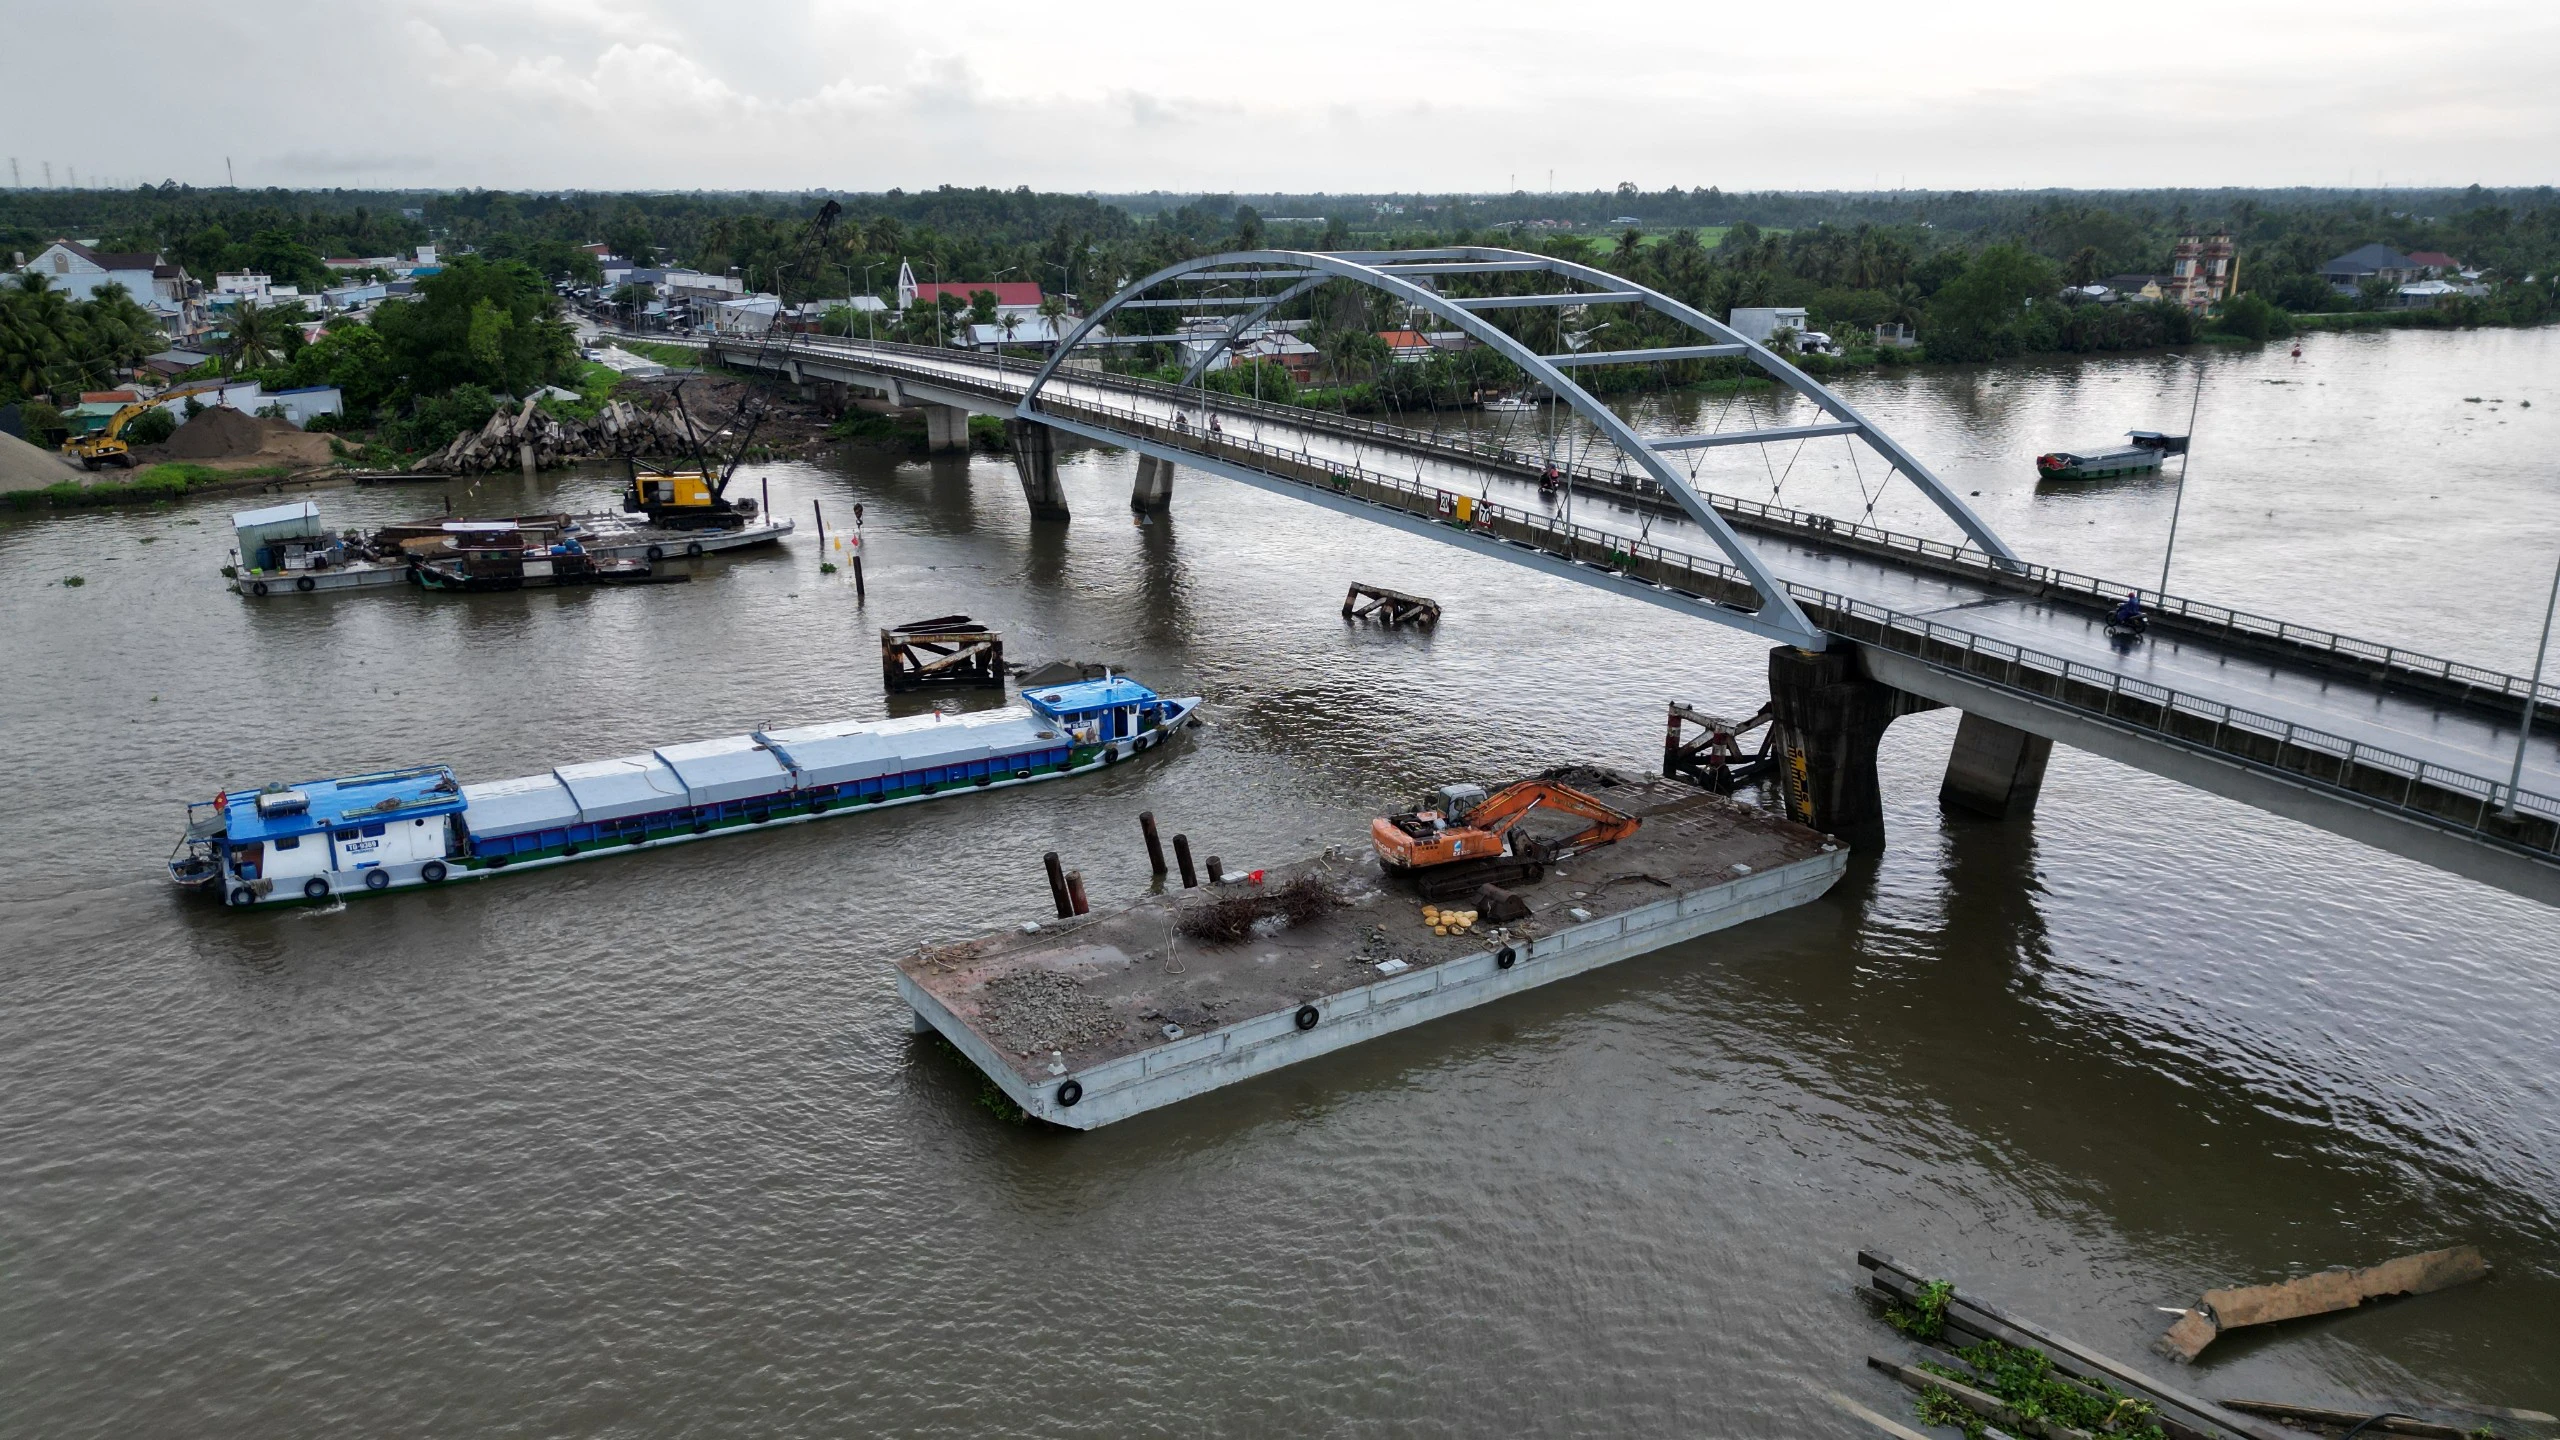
[944,652]
[2348,1419]
[2183,1416]
[1989,1407]
[1388,607]
[2321,1294]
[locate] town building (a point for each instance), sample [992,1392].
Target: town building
[1759,322]
[155,284]
[2348,272]
[2434,263]
[2133,287]
[1408,347]
[2202,270]
[1013,297]
[1032,330]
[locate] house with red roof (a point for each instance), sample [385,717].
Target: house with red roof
[2435,263]
[1018,298]
[1409,347]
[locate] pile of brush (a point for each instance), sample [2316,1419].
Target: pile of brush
[1231,918]
[620,428]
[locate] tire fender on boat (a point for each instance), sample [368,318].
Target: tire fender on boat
[304,583]
[243,896]
[1307,1017]
[657,552]
[1505,958]
[693,549]
[377,879]
[1069,1092]
[257,587]
[315,888]
[433,872]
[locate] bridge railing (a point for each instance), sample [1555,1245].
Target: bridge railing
[2474,681]
[2372,775]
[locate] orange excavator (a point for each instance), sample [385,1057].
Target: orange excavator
[1478,839]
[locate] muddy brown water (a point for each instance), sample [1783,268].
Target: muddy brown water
[644,1147]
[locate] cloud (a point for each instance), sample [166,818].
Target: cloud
[1330,94]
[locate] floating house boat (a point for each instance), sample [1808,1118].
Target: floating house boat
[361,834]
[285,550]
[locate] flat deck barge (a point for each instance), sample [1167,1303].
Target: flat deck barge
[1097,1018]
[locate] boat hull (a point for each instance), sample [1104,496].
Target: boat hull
[2097,467]
[336,885]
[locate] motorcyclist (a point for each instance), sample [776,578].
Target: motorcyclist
[2129,614]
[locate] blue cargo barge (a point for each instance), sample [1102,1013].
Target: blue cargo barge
[359,834]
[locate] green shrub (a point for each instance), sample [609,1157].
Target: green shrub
[151,427]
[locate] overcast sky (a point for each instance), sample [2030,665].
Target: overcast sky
[1313,94]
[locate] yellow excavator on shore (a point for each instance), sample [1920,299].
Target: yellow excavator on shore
[107,447]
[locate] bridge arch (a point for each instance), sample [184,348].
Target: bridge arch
[1394,272]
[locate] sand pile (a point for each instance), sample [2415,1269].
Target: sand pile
[29,467]
[220,433]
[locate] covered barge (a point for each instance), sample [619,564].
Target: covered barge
[310,841]
[1096,1018]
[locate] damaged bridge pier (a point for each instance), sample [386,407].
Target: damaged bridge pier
[1831,716]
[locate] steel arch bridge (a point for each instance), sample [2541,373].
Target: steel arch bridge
[1408,275]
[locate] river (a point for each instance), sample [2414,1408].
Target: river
[644,1147]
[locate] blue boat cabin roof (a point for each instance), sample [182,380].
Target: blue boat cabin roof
[1085,695]
[354,800]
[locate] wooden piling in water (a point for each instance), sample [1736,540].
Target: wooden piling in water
[1155,847]
[1058,885]
[1075,890]
[1182,853]
[1217,872]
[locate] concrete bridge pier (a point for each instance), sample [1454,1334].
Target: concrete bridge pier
[1997,770]
[946,427]
[1035,457]
[1831,718]
[1154,490]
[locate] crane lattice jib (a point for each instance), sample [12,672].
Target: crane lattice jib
[1391,272]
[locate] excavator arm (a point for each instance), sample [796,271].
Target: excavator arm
[1423,841]
[1507,807]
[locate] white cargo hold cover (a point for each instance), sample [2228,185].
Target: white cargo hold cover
[849,750]
[733,767]
[618,788]
[513,807]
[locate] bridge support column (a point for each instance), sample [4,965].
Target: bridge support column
[1831,718]
[1997,771]
[946,427]
[1154,490]
[1035,456]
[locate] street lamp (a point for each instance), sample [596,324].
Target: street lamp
[2532,695]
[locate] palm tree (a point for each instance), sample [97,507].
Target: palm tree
[251,339]
[1053,309]
[2083,267]
[1629,245]
[1903,305]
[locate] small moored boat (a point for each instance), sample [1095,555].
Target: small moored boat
[2139,458]
[396,829]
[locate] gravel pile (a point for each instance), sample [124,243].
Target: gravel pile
[28,467]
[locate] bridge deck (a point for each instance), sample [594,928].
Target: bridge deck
[2328,694]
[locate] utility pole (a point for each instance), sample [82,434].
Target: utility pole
[14,182]
[227,173]
[2532,694]
[48,174]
